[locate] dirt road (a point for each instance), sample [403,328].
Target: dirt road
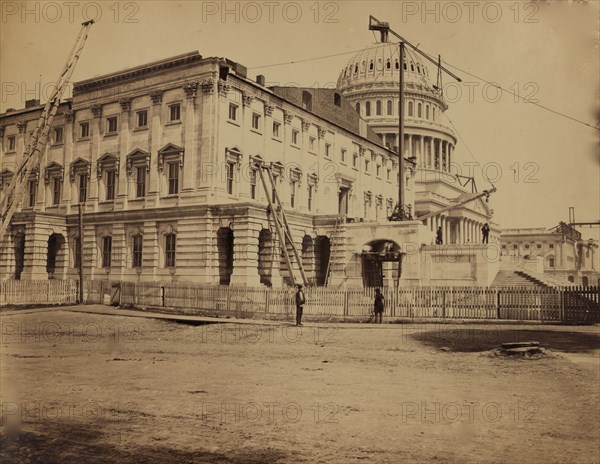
[92,388]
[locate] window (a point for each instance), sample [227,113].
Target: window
[539,247]
[504,247]
[366,165]
[388,175]
[551,262]
[390,108]
[140,182]
[358,108]
[170,244]
[368,109]
[137,250]
[343,155]
[327,149]
[354,160]
[427,112]
[306,100]
[173,178]
[12,143]
[552,246]
[106,251]
[292,194]
[310,197]
[32,192]
[295,137]
[515,246]
[142,118]
[276,129]
[378,170]
[433,116]
[83,181]
[419,110]
[58,135]
[311,143]
[111,124]
[255,121]
[233,112]
[175,112]
[410,108]
[84,130]
[252,184]
[56,191]
[230,176]
[378,108]
[527,247]
[337,99]
[110,184]
[77,252]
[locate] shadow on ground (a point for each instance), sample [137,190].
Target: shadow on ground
[473,340]
[83,445]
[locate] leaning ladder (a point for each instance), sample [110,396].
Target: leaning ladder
[281,224]
[333,246]
[30,161]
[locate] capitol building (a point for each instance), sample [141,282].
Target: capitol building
[162,159]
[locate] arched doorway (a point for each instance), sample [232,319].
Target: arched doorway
[322,254]
[225,250]
[381,263]
[265,257]
[55,256]
[584,281]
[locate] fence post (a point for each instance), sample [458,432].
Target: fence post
[345,312]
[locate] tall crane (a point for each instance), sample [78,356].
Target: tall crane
[31,158]
[475,196]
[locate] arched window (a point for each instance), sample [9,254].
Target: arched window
[419,114]
[306,100]
[368,109]
[378,108]
[418,69]
[433,118]
[388,65]
[371,66]
[405,67]
[412,67]
[356,68]
[396,65]
[358,108]
[427,112]
[337,99]
[390,108]
[410,108]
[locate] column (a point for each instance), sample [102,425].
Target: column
[153,194]
[422,157]
[67,189]
[446,229]
[94,149]
[450,147]
[124,149]
[120,250]
[431,153]
[189,160]
[36,252]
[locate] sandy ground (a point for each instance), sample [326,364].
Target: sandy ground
[87,388]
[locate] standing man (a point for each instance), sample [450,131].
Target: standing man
[300,300]
[438,236]
[485,232]
[379,304]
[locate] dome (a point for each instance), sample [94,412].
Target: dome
[380,64]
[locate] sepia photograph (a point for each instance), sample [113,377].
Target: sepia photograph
[279,232]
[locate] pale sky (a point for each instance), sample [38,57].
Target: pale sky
[546,52]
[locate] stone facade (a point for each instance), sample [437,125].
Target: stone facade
[558,252]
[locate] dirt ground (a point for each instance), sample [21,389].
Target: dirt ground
[87,388]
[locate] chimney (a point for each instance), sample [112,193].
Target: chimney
[31,103]
[260,79]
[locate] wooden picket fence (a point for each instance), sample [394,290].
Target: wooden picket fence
[30,292]
[568,304]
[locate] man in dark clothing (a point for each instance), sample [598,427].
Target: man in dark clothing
[485,232]
[438,236]
[300,300]
[379,304]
